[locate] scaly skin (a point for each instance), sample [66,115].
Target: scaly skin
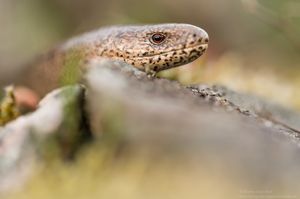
[181,44]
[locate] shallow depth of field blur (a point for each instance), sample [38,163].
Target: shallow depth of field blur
[254,44]
[254,48]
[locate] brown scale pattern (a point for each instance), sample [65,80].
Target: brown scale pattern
[182,44]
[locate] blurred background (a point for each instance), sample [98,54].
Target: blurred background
[254,44]
[254,48]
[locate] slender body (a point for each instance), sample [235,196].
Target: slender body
[150,48]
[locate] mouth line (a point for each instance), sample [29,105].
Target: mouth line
[192,47]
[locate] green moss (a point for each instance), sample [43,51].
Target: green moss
[72,132]
[71,71]
[113,121]
[8,107]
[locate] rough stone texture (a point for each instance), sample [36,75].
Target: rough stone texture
[113,84]
[256,106]
[274,116]
[195,123]
[172,140]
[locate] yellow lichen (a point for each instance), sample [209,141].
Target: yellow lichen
[8,106]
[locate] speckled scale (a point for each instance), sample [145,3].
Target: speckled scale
[182,44]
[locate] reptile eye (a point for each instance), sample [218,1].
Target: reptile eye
[158,38]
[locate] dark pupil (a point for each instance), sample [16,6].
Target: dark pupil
[157,38]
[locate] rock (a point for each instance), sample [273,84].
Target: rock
[261,107]
[285,120]
[165,121]
[114,86]
[151,137]
[59,115]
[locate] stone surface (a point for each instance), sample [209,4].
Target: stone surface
[152,137]
[59,115]
[113,86]
[170,121]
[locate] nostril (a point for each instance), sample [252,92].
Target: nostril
[203,40]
